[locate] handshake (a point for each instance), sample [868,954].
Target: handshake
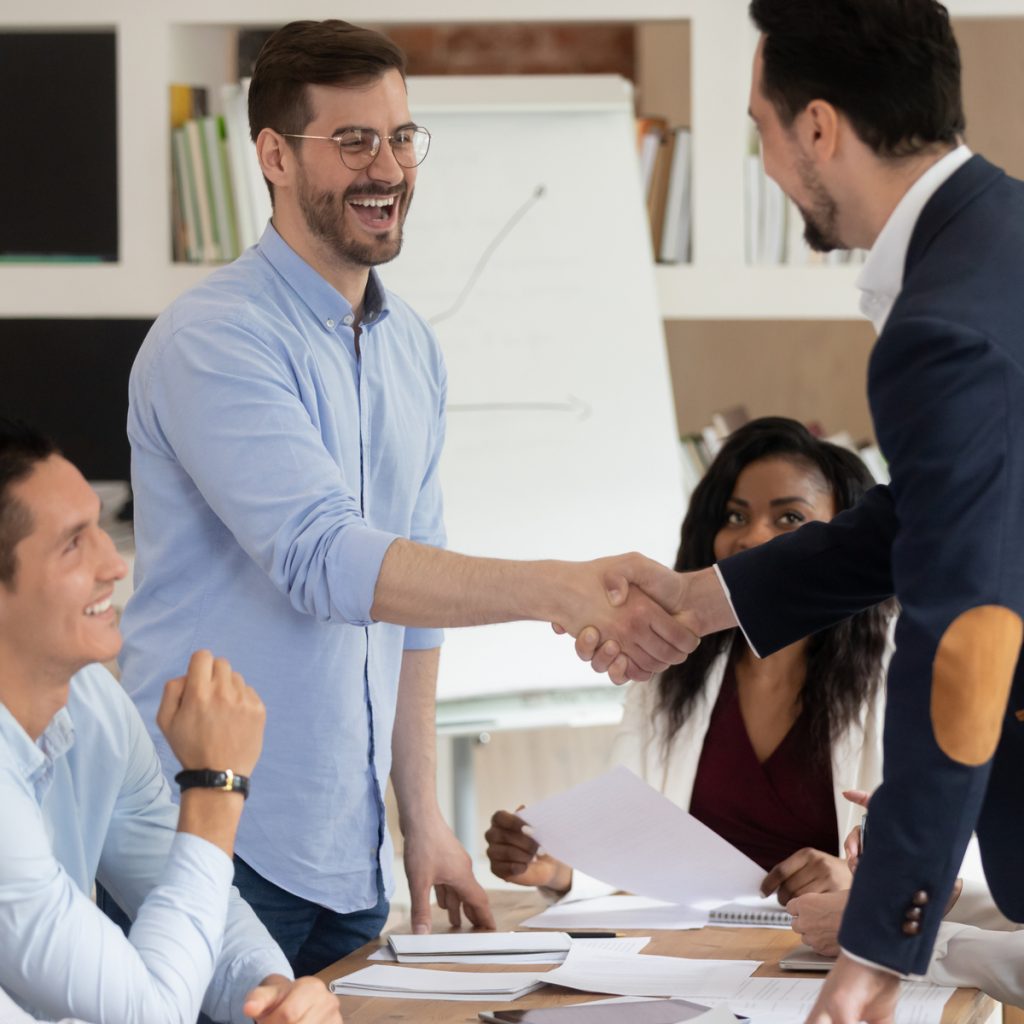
[633,617]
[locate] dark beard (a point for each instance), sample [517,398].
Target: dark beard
[324,213]
[820,217]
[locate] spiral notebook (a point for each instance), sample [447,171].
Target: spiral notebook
[766,913]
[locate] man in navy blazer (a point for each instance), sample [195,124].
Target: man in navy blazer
[858,106]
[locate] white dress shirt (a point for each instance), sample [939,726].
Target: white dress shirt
[88,801]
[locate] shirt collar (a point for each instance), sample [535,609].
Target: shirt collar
[35,760]
[326,303]
[881,278]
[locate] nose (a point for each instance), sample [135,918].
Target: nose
[112,566]
[385,167]
[757,532]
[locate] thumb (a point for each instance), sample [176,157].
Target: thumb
[260,1000]
[857,796]
[419,898]
[616,586]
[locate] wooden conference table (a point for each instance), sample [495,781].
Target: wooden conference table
[965,1006]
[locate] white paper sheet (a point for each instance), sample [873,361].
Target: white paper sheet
[468,943]
[785,1000]
[616,912]
[418,983]
[623,944]
[643,975]
[624,832]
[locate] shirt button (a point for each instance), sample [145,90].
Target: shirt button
[330,323]
[348,320]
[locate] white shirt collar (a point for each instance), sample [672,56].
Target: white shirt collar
[881,278]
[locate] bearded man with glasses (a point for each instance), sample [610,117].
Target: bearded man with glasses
[286,422]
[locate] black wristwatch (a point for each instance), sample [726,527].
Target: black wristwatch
[207,778]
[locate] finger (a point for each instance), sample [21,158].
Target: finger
[170,702]
[782,871]
[857,796]
[560,630]
[851,847]
[512,839]
[222,675]
[507,870]
[261,1000]
[478,909]
[622,671]
[419,899]
[587,643]
[509,855]
[605,656]
[452,903]
[616,586]
[200,668]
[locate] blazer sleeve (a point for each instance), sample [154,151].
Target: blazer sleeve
[943,403]
[814,577]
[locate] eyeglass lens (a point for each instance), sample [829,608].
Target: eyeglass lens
[359,146]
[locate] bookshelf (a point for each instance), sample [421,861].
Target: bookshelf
[692,58]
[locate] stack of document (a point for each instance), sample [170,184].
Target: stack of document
[416,983]
[496,947]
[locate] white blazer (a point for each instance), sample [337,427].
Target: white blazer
[639,746]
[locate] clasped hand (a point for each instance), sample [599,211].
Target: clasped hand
[629,615]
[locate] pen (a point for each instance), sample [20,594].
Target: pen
[594,935]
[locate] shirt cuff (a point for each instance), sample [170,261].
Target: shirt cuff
[355,563]
[422,639]
[878,967]
[728,598]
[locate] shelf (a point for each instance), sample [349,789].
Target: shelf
[761,293]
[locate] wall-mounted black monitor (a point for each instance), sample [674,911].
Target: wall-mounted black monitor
[58,120]
[69,378]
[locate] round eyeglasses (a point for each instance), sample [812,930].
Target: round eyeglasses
[358,147]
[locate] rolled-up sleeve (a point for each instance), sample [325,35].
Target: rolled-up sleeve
[226,404]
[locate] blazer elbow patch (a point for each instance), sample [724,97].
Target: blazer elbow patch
[971,678]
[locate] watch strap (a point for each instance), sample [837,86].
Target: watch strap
[208,778]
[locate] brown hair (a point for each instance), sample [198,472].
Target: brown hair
[304,53]
[21,448]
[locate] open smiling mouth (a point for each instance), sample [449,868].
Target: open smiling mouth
[378,213]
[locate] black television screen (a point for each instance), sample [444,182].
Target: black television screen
[69,378]
[58,119]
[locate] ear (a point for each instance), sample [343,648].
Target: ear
[276,157]
[819,128]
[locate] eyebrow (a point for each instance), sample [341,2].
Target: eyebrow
[367,128]
[791,499]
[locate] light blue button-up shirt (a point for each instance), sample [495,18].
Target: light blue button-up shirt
[88,801]
[273,463]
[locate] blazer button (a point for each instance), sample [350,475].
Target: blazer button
[911,927]
[913,914]
[920,898]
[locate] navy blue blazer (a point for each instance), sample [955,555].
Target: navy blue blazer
[946,387]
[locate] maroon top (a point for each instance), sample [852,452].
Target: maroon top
[769,810]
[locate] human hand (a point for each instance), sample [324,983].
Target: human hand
[816,919]
[853,845]
[211,718]
[696,599]
[597,596]
[279,1000]
[434,857]
[808,870]
[855,993]
[515,856]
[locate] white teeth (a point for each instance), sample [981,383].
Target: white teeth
[386,201]
[99,608]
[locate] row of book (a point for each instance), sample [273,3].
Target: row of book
[775,227]
[219,201]
[665,178]
[698,450]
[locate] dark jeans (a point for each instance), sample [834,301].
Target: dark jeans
[311,936]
